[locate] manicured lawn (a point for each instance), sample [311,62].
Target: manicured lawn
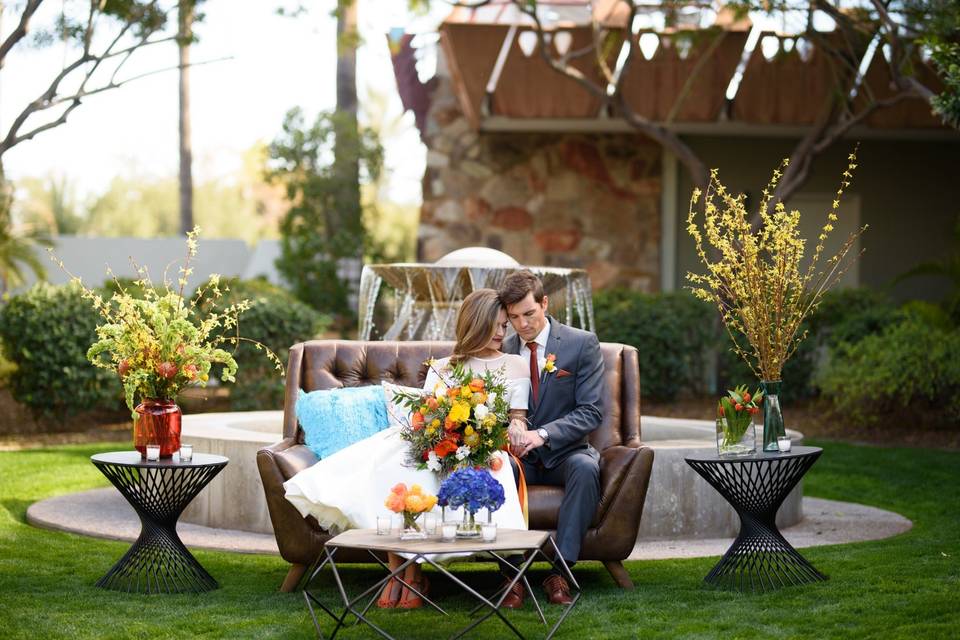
[905,587]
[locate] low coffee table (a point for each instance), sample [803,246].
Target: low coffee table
[760,559]
[530,543]
[159,491]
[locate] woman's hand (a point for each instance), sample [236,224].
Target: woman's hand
[516,433]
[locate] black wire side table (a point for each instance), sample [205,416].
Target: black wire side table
[760,559]
[158,491]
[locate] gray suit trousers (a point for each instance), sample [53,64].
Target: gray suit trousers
[579,475]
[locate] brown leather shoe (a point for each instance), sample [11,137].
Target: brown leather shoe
[514,599]
[558,591]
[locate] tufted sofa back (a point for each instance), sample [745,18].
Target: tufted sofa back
[331,364]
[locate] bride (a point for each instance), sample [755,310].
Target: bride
[347,489]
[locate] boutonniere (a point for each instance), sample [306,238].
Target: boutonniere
[551,364]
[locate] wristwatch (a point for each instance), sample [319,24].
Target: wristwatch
[543,434]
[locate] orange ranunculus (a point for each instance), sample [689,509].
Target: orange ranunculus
[496,463]
[453,392]
[413,503]
[432,403]
[445,447]
[399,488]
[449,424]
[395,502]
[416,421]
[476,385]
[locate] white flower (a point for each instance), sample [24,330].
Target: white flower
[439,390]
[462,452]
[491,399]
[433,462]
[480,411]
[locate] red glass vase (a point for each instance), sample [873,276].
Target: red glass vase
[157,422]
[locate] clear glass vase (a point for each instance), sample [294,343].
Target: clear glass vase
[734,441]
[470,527]
[412,527]
[772,417]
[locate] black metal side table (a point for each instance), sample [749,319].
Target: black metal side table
[158,491]
[760,559]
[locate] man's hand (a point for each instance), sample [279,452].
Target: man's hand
[531,440]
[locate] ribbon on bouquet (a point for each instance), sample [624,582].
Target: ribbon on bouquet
[521,486]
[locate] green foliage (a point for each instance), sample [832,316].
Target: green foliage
[318,164]
[17,248]
[672,332]
[46,332]
[912,367]
[277,320]
[902,587]
[939,23]
[848,315]
[796,375]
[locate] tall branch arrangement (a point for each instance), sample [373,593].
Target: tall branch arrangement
[756,280]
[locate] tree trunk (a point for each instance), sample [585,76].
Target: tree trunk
[349,220]
[184,35]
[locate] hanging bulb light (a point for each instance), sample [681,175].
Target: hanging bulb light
[805,49]
[527,42]
[769,46]
[684,46]
[787,45]
[648,44]
[562,41]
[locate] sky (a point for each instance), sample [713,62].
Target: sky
[261,65]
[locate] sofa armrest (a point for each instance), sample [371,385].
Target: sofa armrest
[299,539]
[624,478]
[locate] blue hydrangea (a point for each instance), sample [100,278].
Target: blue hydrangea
[471,488]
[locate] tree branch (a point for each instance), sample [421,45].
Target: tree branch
[21,29]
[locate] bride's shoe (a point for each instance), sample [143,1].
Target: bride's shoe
[409,599]
[391,594]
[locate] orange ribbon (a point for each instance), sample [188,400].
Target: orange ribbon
[521,487]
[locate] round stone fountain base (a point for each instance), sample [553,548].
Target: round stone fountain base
[679,504]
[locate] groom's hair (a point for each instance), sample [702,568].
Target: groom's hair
[517,285]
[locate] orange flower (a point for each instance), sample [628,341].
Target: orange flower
[453,392]
[417,420]
[445,448]
[395,503]
[449,424]
[496,463]
[432,403]
[399,488]
[476,385]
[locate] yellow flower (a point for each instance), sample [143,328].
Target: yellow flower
[468,431]
[471,440]
[465,391]
[459,412]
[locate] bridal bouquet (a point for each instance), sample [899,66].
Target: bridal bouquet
[463,423]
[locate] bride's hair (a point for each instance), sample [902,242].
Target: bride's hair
[476,323]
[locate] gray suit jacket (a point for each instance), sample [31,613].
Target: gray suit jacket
[569,406]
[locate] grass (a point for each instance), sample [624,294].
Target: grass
[904,587]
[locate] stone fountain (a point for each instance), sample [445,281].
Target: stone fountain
[423,299]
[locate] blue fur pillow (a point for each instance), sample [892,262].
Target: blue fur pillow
[334,419]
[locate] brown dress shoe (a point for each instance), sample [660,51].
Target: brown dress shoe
[514,599]
[558,591]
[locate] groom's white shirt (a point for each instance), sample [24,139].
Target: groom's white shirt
[541,341]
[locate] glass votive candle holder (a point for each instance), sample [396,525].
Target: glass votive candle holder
[153,452]
[448,530]
[384,525]
[429,525]
[488,531]
[783,444]
[186,452]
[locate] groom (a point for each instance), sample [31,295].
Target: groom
[566,375]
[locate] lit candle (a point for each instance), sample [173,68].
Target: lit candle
[489,531]
[186,452]
[448,530]
[153,452]
[783,443]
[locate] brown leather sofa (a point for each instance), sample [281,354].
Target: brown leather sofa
[625,463]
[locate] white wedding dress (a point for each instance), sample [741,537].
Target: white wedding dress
[347,490]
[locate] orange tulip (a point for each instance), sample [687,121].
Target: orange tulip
[432,403]
[476,385]
[417,420]
[496,463]
[445,448]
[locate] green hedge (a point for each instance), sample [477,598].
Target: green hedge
[673,333]
[46,332]
[910,369]
[276,319]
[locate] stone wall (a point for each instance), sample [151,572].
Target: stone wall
[556,199]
